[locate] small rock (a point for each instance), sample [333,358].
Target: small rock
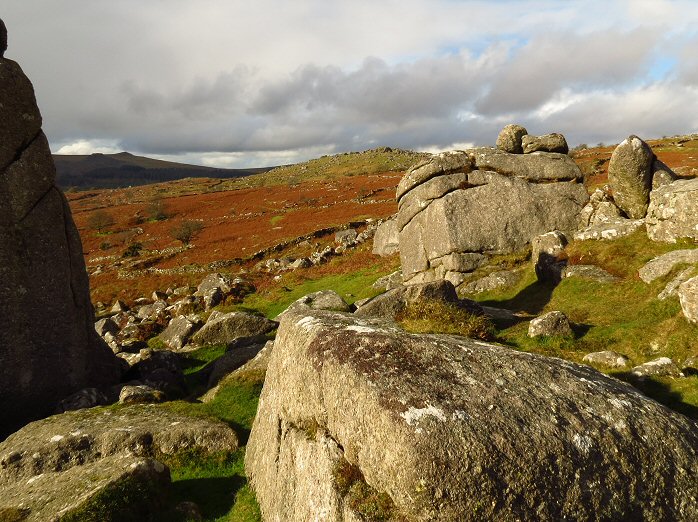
[690,366]
[345,237]
[553,142]
[660,367]
[630,176]
[503,278]
[546,251]
[510,139]
[389,281]
[672,287]
[322,300]
[106,325]
[592,272]
[607,358]
[119,306]
[610,230]
[226,328]
[553,323]
[662,265]
[177,333]
[85,398]
[688,297]
[159,296]
[140,394]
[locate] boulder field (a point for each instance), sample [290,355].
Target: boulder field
[358,416]
[48,345]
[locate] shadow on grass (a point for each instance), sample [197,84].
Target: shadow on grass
[214,496]
[660,392]
[531,299]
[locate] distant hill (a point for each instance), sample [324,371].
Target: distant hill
[125,169]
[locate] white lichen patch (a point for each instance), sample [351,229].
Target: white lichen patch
[34,478]
[459,415]
[414,415]
[583,443]
[57,438]
[619,403]
[308,323]
[362,329]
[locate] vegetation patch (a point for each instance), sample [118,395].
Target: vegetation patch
[438,317]
[370,504]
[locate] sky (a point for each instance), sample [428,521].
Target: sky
[230,83]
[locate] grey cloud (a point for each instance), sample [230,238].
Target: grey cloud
[550,62]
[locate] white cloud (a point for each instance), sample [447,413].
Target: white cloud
[231,82]
[87,147]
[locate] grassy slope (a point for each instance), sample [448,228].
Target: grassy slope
[624,316]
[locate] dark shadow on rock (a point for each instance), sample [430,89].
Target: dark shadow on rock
[660,392]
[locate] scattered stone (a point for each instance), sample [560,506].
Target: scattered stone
[661,367]
[152,311]
[346,237]
[178,332]
[226,328]
[630,176]
[493,281]
[553,323]
[106,325]
[386,241]
[322,300]
[302,262]
[432,399]
[159,296]
[662,265]
[48,345]
[591,272]
[688,297]
[609,230]
[546,143]
[546,251]
[607,358]
[85,398]
[690,366]
[510,139]
[390,304]
[673,211]
[140,394]
[119,306]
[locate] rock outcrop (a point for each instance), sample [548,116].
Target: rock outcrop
[456,206]
[554,142]
[48,345]
[688,297]
[630,176]
[673,211]
[553,323]
[441,427]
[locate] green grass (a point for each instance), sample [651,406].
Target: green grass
[275,220]
[217,484]
[352,287]
[624,316]
[438,317]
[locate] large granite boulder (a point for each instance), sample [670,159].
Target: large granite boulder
[49,348]
[482,201]
[673,211]
[630,176]
[357,414]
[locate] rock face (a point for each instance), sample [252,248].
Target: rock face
[510,137]
[386,241]
[446,428]
[673,211]
[662,265]
[688,296]
[43,281]
[481,201]
[630,176]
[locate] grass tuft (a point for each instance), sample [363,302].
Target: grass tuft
[437,317]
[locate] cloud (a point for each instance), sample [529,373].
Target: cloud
[86,147]
[234,82]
